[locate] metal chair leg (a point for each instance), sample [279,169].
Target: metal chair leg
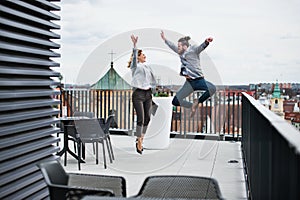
[79,153]
[104,158]
[97,156]
[109,150]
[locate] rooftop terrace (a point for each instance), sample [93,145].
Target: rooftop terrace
[246,166]
[221,160]
[266,148]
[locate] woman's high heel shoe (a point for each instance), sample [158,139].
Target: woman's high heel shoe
[137,149]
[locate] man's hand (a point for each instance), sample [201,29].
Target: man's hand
[210,39]
[162,34]
[134,40]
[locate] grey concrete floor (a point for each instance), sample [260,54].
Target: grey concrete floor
[206,158]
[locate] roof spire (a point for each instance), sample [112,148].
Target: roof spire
[112,58]
[276,91]
[112,55]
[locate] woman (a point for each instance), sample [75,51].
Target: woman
[143,83]
[191,70]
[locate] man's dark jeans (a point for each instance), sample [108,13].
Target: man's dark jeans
[191,85]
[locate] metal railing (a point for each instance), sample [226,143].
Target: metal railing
[271,149]
[221,114]
[100,102]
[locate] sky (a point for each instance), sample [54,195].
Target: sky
[254,41]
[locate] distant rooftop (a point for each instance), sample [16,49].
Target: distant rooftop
[111,81]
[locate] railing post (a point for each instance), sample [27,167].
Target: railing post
[224,111]
[70,96]
[220,107]
[233,116]
[238,115]
[228,111]
[97,103]
[124,109]
[129,110]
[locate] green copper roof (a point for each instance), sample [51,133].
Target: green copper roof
[276,92]
[111,81]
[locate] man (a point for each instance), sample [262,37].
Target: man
[191,70]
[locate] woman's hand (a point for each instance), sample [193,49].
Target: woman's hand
[134,40]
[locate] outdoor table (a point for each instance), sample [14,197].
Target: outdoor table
[68,121]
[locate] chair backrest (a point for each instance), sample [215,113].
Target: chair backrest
[88,128]
[180,186]
[101,121]
[108,122]
[84,114]
[53,172]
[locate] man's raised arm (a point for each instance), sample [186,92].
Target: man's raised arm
[169,43]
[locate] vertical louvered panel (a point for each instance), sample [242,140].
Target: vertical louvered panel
[27,109]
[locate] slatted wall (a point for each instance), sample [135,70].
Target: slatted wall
[27,109]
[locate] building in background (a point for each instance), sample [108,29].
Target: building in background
[281,98]
[276,102]
[292,113]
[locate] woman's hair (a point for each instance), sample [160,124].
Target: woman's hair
[185,40]
[131,57]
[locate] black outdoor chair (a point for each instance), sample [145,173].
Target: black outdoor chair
[179,187]
[64,185]
[105,126]
[90,131]
[70,129]
[76,114]
[85,114]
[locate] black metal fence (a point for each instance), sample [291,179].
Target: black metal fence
[271,149]
[221,114]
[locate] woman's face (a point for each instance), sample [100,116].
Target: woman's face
[141,57]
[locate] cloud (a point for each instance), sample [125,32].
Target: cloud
[247,35]
[268,55]
[289,36]
[72,2]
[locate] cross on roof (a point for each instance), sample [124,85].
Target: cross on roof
[112,55]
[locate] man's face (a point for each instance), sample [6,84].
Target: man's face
[181,48]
